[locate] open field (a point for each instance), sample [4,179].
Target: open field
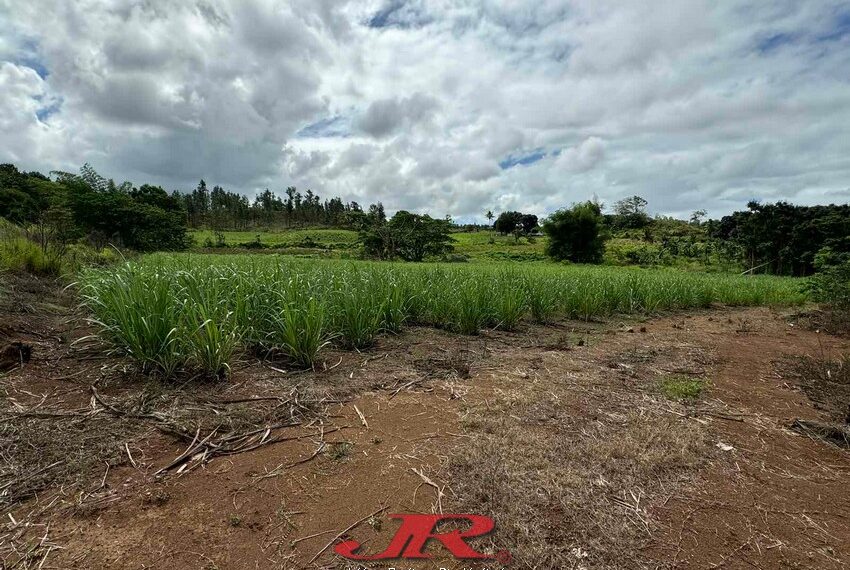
[477,246]
[626,441]
[174,311]
[294,238]
[490,246]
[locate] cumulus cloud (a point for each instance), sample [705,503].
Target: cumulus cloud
[446,106]
[386,116]
[582,157]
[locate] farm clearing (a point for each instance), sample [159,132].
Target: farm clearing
[424,285]
[654,431]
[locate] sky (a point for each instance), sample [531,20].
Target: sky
[445,107]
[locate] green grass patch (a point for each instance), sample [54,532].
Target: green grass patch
[331,239]
[24,256]
[490,246]
[682,388]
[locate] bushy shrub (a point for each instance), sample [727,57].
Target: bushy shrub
[633,252]
[78,255]
[516,256]
[575,234]
[456,258]
[831,284]
[253,244]
[21,252]
[22,255]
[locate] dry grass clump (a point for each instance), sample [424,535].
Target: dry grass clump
[42,451]
[50,448]
[568,484]
[823,319]
[826,381]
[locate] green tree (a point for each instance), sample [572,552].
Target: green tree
[697,216]
[783,238]
[507,222]
[408,236]
[630,213]
[376,211]
[144,219]
[24,196]
[528,223]
[575,234]
[831,283]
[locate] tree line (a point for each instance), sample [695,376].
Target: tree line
[72,207]
[778,238]
[220,209]
[783,238]
[66,207]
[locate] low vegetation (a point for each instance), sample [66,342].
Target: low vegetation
[23,252]
[830,286]
[173,311]
[263,238]
[682,388]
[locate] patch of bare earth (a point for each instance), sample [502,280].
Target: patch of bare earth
[777,499]
[563,434]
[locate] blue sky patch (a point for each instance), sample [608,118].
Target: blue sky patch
[522,160]
[34,64]
[774,42]
[840,28]
[383,17]
[336,126]
[398,14]
[45,113]
[29,58]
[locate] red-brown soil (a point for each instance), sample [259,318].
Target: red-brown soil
[759,495]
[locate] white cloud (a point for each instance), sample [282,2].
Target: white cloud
[582,157]
[691,104]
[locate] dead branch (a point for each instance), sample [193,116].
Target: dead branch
[348,528]
[362,417]
[427,480]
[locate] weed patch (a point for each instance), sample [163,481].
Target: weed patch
[682,388]
[340,451]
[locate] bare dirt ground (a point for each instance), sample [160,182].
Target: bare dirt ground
[563,434]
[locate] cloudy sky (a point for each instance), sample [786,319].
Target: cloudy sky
[450,107]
